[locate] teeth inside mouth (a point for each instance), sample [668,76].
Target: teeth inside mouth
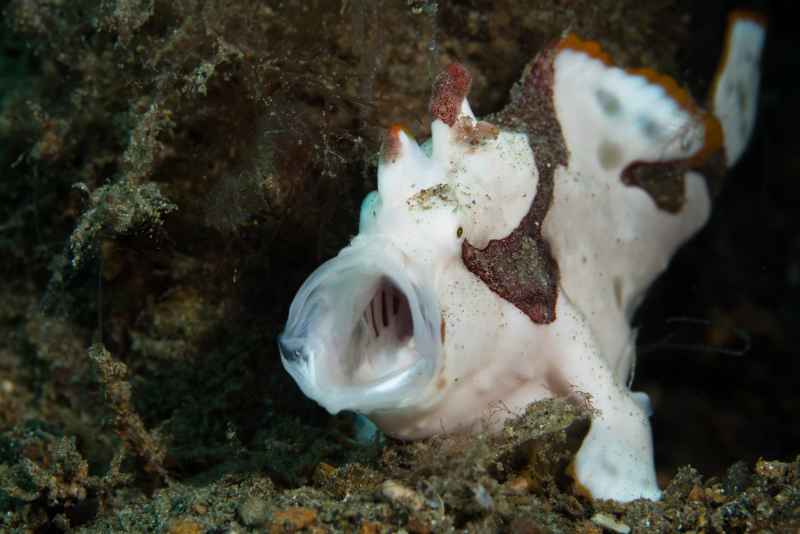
[382,342]
[361,334]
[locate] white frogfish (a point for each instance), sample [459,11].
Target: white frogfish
[500,262]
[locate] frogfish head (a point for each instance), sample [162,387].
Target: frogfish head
[370,329]
[363,331]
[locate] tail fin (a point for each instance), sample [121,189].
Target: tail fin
[734,93]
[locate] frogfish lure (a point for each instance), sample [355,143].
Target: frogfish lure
[502,260]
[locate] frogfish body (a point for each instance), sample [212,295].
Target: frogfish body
[500,263]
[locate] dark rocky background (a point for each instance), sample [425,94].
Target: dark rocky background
[170,171]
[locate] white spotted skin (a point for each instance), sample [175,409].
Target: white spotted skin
[397,328]
[607,267]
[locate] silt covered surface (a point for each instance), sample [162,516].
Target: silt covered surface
[173,170]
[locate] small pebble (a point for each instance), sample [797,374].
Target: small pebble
[696,494]
[369,527]
[482,497]
[185,526]
[519,485]
[611,523]
[396,492]
[292,519]
[254,511]
[771,470]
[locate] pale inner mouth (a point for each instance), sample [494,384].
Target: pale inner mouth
[361,334]
[382,343]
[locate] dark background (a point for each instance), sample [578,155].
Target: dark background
[720,331]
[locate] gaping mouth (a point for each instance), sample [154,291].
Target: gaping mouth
[361,334]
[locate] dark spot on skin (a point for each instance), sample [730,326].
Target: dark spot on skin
[730,88]
[649,127]
[609,154]
[459,232]
[741,98]
[618,291]
[744,127]
[384,311]
[609,103]
[442,330]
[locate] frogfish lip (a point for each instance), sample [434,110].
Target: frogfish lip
[363,331]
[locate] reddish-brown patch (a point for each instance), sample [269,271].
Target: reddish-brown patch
[662,180]
[590,48]
[520,268]
[665,181]
[577,487]
[392,146]
[441,383]
[449,89]
[474,133]
[442,329]
[746,14]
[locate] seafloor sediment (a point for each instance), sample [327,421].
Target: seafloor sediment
[172,170]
